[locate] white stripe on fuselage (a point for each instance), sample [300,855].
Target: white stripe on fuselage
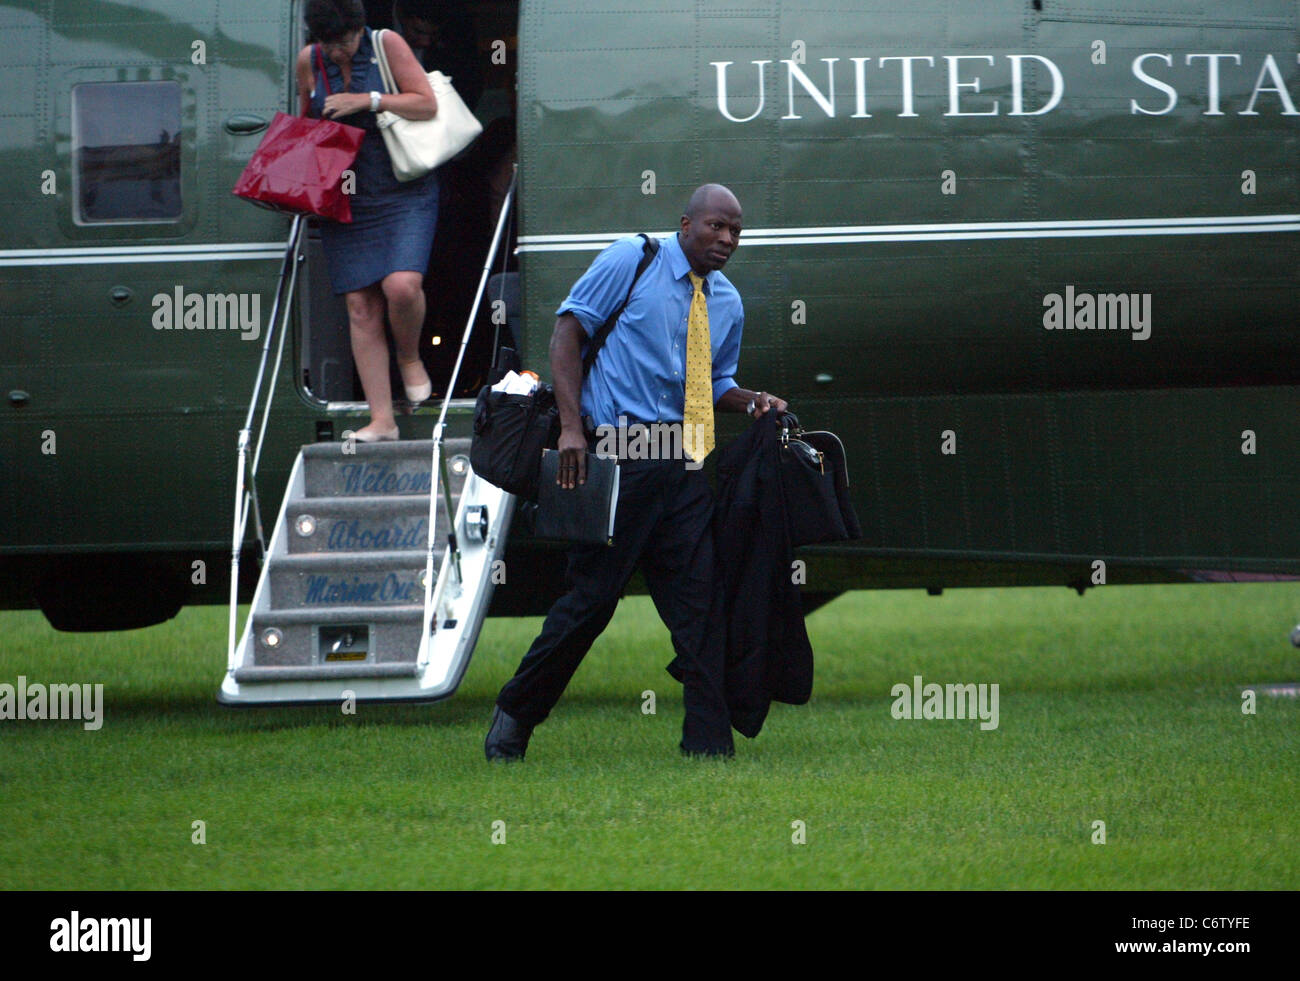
[594,241]
[92,255]
[953,232]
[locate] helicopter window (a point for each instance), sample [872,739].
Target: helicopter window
[126,139]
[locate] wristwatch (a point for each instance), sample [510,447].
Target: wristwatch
[374,101]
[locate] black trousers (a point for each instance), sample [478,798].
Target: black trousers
[664,523]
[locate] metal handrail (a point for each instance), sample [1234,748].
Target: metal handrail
[246,494]
[436,463]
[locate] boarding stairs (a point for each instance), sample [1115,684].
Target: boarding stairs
[339,611]
[381,563]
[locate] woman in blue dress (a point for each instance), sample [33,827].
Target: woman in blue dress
[381,257]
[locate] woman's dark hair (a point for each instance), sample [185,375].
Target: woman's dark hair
[332,20]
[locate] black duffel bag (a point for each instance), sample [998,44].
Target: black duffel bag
[815,481]
[510,432]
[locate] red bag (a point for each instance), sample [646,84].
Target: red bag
[298,167]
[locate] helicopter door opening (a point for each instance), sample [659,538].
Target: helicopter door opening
[474,43]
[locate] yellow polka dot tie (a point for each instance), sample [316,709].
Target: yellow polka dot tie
[697,417]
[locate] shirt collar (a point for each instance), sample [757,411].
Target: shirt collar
[679,265]
[364,56]
[365,52]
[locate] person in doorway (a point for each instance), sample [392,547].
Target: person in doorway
[379,260]
[443,37]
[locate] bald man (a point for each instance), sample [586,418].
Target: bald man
[665,506]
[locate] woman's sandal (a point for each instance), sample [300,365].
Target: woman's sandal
[368,435]
[417,393]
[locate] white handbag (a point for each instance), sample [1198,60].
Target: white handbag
[416,146]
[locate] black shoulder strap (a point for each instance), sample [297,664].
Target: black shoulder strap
[648,251]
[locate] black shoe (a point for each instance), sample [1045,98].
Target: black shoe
[507,739]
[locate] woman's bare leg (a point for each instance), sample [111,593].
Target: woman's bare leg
[370,352]
[404,291]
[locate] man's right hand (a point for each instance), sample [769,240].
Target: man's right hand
[573,459]
[566,370]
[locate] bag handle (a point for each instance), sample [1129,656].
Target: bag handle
[385,73]
[325,79]
[648,251]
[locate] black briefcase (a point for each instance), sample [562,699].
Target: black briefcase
[510,432]
[815,482]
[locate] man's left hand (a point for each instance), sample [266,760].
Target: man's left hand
[764,403]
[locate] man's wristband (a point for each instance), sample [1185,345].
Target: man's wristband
[374,101]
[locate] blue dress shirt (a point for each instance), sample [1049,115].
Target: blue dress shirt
[641,371]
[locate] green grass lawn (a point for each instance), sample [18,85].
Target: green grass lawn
[1122,706]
